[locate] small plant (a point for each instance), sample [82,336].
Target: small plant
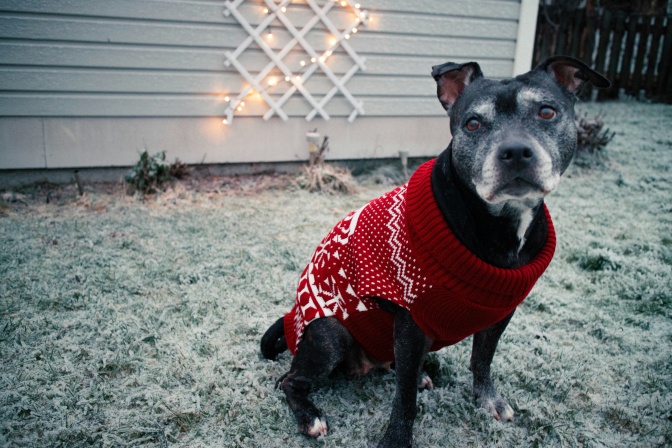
[178,169]
[319,176]
[151,172]
[591,138]
[326,178]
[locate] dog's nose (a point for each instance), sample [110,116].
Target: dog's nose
[516,155]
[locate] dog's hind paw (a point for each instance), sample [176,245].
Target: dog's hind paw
[425,382]
[498,408]
[317,428]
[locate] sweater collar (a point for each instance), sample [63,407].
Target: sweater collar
[441,253]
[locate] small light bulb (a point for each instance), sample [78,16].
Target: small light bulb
[227,99]
[265,10]
[357,6]
[343,3]
[240,108]
[303,63]
[225,121]
[283,9]
[347,36]
[287,78]
[354,30]
[313,60]
[242,103]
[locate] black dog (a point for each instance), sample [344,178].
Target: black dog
[449,255]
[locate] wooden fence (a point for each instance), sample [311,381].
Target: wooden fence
[633,51]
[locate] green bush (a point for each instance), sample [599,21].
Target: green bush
[149,174]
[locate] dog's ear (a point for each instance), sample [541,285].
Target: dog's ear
[572,74]
[452,78]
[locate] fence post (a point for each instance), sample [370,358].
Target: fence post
[643,29]
[626,69]
[603,43]
[589,46]
[656,34]
[614,56]
[589,36]
[563,29]
[664,88]
[579,25]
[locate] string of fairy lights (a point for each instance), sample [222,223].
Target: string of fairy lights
[278,77]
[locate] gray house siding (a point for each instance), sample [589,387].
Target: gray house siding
[92,82]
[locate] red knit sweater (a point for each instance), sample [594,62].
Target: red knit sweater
[399,248]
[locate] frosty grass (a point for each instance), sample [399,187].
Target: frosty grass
[131,323]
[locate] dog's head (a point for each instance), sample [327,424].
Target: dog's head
[513,138]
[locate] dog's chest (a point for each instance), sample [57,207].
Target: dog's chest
[398,248]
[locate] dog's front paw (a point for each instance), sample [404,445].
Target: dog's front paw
[316,428]
[497,407]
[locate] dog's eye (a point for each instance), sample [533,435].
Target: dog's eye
[473,124]
[546,113]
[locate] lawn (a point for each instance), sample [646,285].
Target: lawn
[130,322]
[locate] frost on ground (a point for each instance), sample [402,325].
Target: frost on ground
[131,323]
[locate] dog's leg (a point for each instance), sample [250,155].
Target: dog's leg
[483,350]
[324,345]
[410,347]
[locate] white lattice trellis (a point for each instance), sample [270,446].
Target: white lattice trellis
[295,79]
